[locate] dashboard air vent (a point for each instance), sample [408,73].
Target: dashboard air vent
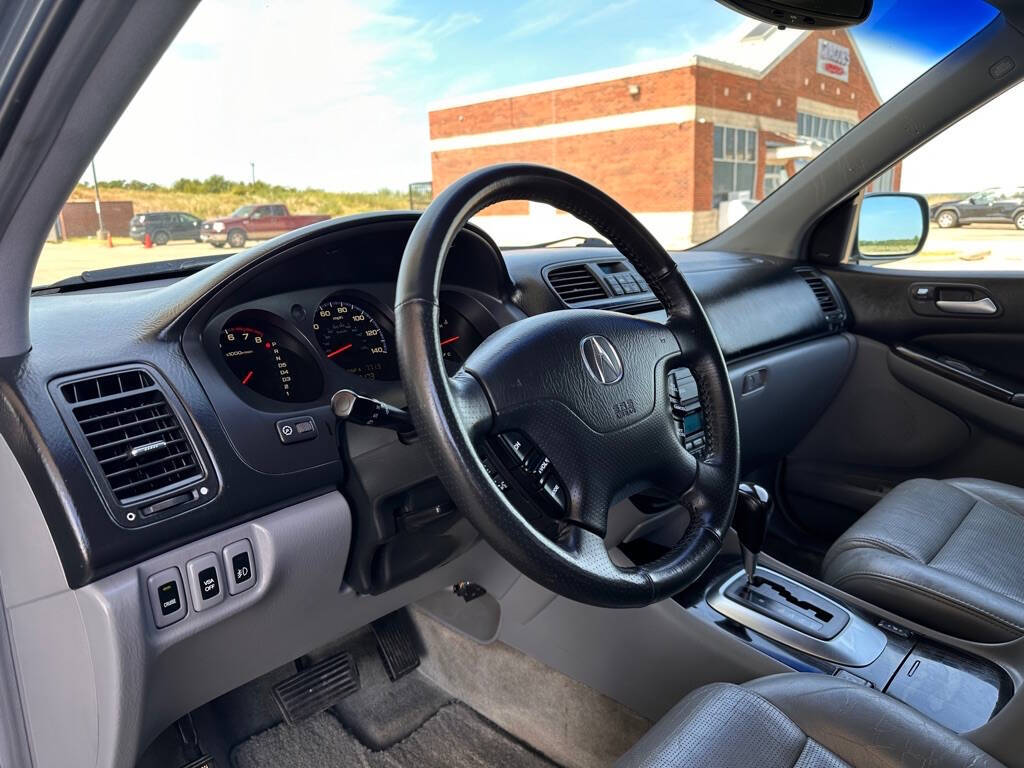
[830,306]
[576,283]
[134,435]
[821,292]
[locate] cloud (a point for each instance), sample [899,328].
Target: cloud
[539,24]
[317,94]
[601,13]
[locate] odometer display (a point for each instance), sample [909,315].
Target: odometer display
[351,338]
[269,363]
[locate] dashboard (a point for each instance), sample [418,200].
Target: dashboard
[250,348]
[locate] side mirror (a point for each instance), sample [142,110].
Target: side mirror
[892,225]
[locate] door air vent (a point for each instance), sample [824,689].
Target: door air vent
[576,283]
[135,442]
[830,306]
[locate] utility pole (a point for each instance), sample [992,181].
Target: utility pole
[252,168]
[101,234]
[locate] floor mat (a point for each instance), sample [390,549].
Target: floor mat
[455,737]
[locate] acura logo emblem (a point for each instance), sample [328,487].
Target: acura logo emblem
[601,359]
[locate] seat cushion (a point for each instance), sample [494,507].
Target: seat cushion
[798,721]
[944,553]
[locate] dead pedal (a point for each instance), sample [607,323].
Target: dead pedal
[396,643]
[317,687]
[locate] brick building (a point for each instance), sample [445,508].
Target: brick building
[672,140]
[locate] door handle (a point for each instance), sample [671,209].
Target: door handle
[983,306]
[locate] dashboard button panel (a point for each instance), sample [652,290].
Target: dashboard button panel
[239,565]
[204,578]
[296,430]
[167,597]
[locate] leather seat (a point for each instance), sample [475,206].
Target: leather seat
[944,553]
[798,721]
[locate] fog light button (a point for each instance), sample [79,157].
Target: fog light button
[240,566]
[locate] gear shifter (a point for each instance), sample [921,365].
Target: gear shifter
[753,510]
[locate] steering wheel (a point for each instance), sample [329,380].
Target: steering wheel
[589,388]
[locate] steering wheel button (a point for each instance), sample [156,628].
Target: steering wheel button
[517,444]
[553,490]
[542,465]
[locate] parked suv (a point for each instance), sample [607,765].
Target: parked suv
[254,222]
[164,226]
[994,205]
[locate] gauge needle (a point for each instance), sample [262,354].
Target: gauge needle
[339,350]
[449,340]
[247,377]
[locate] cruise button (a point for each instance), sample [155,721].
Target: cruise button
[553,490]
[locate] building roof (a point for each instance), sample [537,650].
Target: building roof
[752,49]
[753,46]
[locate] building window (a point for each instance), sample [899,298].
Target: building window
[822,129]
[735,163]
[883,182]
[774,177]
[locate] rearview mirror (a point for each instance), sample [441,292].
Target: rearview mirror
[892,225]
[804,14]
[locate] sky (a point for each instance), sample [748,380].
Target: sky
[335,93]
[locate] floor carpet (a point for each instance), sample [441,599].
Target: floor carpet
[454,737]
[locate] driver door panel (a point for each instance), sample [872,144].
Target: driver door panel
[931,394]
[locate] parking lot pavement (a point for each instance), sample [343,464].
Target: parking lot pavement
[978,247]
[60,260]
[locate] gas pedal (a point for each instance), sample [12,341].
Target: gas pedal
[316,688]
[396,643]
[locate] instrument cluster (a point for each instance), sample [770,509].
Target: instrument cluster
[348,331]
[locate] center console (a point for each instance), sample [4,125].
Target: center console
[809,632]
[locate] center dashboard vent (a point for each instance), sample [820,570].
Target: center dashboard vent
[823,293]
[576,283]
[135,442]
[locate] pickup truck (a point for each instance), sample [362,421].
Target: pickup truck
[253,222]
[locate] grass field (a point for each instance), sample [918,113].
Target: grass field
[209,205]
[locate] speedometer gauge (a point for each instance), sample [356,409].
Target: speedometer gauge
[354,340]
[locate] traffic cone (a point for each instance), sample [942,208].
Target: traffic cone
[147,242]
[110,240]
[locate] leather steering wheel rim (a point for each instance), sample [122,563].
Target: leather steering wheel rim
[582,423]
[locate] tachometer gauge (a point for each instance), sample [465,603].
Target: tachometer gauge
[354,340]
[457,337]
[270,364]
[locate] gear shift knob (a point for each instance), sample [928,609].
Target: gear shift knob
[753,510]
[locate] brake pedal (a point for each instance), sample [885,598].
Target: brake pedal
[396,643]
[317,687]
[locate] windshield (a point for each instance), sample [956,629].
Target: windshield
[685,112]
